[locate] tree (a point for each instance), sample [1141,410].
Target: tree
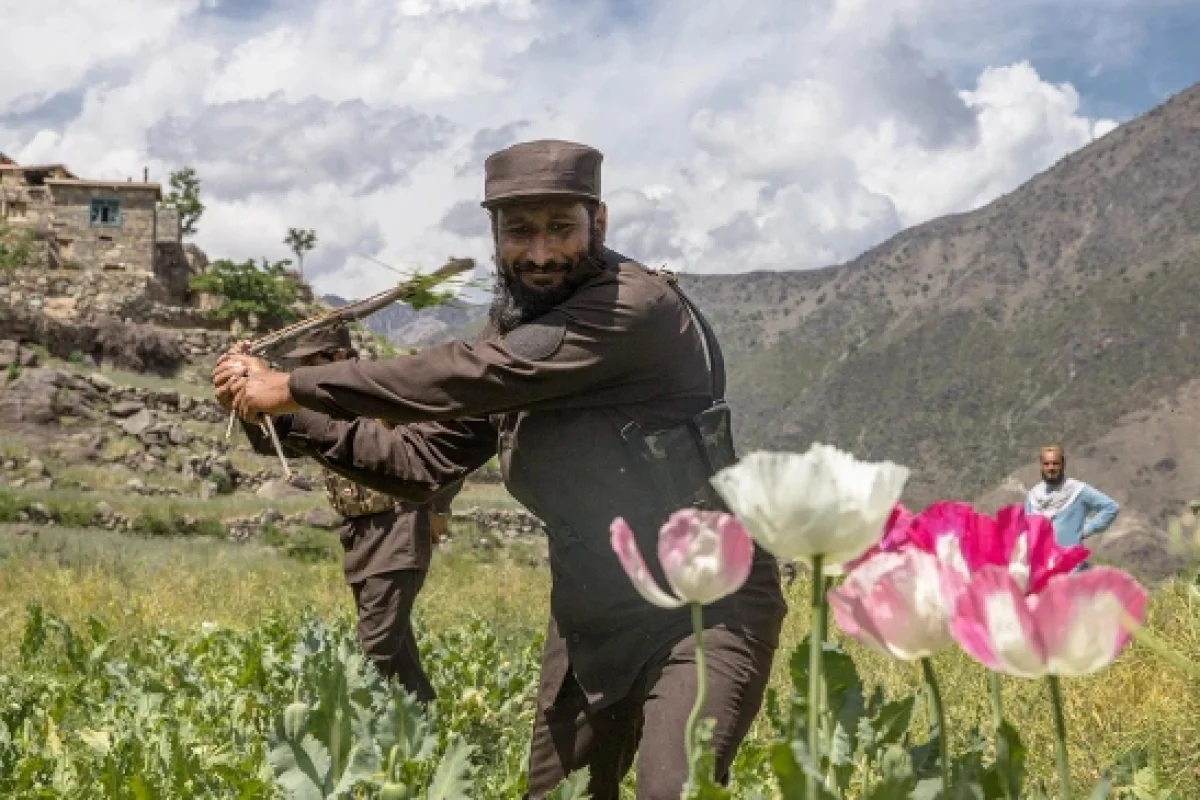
[300,241]
[250,293]
[184,197]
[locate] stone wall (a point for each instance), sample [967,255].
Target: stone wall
[127,246]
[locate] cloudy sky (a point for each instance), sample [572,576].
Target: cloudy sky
[738,135]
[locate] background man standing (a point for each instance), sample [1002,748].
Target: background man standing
[387,544]
[1077,510]
[601,388]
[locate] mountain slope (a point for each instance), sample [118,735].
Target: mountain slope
[403,326]
[959,346]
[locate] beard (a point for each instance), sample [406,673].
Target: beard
[1062,476]
[514,303]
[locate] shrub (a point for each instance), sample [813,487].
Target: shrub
[251,294]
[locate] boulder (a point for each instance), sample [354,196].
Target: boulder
[126,408]
[30,398]
[277,490]
[101,382]
[139,423]
[322,517]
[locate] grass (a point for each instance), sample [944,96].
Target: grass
[137,380]
[485,495]
[139,585]
[79,507]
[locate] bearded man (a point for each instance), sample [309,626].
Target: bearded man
[1077,510]
[602,390]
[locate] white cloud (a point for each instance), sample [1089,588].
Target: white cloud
[249,147]
[736,136]
[50,47]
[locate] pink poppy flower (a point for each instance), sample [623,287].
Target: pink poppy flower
[894,603]
[967,541]
[895,535]
[705,556]
[1072,627]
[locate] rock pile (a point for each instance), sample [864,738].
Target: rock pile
[508,524]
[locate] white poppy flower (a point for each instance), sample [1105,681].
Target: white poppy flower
[822,503]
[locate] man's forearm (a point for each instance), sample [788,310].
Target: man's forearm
[1106,510]
[415,463]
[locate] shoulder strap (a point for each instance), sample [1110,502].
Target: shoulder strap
[713,357]
[708,339]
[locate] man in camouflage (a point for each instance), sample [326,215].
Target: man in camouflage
[600,387]
[387,543]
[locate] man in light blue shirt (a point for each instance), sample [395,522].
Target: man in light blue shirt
[1076,510]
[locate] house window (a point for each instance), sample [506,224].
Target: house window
[105,213]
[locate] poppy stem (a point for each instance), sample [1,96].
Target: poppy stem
[997,699]
[1060,744]
[690,744]
[827,720]
[815,636]
[935,695]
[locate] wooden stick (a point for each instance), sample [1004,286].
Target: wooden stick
[269,426]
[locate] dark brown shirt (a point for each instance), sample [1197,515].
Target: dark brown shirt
[551,398]
[372,544]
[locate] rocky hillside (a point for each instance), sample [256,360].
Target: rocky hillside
[405,327]
[961,345]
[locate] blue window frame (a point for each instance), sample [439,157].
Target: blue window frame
[105,213]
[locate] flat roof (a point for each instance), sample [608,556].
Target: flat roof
[113,184]
[15,167]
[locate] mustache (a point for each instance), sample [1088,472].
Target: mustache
[547,268]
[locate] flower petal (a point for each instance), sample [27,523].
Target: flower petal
[974,534]
[1078,617]
[893,603]
[824,502]
[625,546]
[705,555]
[896,529]
[993,624]
[1045,556]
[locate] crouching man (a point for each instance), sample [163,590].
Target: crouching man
[387,543]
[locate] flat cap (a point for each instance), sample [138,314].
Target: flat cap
[543,168]
[322,340]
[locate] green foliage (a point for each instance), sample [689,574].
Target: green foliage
[184,197]
[424,295]
[16,248]
[273,711]
[250,293]
[386,348]
[311,545]
[300,241]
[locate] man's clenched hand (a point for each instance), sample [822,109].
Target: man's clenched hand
[262,392]
[231,367]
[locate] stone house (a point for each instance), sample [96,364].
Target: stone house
[108,225]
